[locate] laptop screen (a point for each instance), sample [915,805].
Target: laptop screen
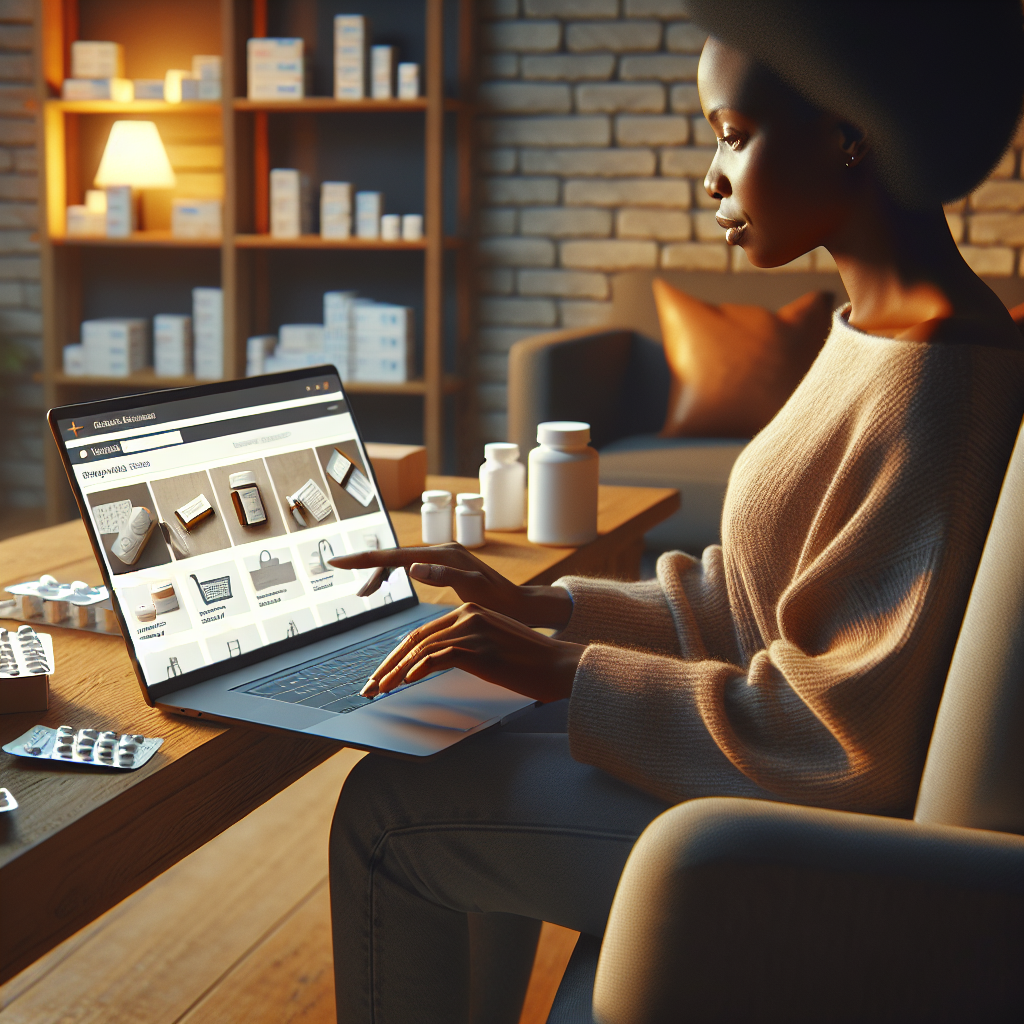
[217,508]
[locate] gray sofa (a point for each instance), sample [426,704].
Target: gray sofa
[615,378]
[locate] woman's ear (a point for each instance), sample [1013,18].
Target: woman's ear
[853,144]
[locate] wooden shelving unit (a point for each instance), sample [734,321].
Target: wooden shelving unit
[228,148]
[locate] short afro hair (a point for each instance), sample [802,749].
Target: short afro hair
[911,74]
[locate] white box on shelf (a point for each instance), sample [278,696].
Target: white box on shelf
[196,218]
[276,69]
[85,223]
[148,88]
[121,90]
[94,58]
[339,331]
[300,338]
[369,210]
[385,343]
[206,67]
[408,81]
[114,346]
[351,38]
[172,345]
[74,360]
[289,203]
[291,361]
[390,227]
[382,72]
[120,215]
[336,209]
[208,333]
[257,348]
[412,227]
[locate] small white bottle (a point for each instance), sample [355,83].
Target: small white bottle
[563,485]
[503,486]
[469,520]
[436,517]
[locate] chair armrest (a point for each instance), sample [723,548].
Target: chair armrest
[734,909]
[567,375]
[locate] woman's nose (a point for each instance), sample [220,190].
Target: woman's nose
[716,184]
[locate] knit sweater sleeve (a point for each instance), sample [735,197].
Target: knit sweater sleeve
[811,648]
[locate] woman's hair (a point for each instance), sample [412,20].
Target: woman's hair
[935,85]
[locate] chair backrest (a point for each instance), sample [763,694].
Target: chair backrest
[974,773]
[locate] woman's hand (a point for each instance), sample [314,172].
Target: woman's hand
[487,644]
[451,565]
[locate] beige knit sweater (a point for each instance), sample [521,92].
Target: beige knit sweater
[804,658]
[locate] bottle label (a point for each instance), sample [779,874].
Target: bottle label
[252,506]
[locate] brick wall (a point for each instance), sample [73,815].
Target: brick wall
[21,401]
[594,151]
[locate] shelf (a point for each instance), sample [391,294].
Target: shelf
[158,239]
[329,105]
[316,242]
[135,107]
[147,380]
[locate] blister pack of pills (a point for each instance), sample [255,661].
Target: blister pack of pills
[100,747]
[7,801]
[68,605]
[25,653]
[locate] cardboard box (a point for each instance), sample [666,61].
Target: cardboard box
[115,347]
[401,471]
[336,199]
[290,211]
[208,333]
[300,338]
[369,210]
[197,218]
[382,72]
[351,41]
[93,58]
[257,349]
[408,81]
[148,88]
[74,360]
[276,69]
[120,215]
[121,90]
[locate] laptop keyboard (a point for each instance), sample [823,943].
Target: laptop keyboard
[333,682]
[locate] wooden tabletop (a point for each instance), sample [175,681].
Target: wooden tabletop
[83,839]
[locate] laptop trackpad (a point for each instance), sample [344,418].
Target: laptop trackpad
[453,700]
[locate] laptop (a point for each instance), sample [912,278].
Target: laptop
[213,512]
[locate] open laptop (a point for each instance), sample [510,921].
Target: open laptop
[213,511]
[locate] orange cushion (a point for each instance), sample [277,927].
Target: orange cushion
[733,367]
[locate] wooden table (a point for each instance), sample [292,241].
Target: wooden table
[83,839]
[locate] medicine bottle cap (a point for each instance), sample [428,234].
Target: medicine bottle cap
[471,502]
[244,479]
[563,434]
[501,451]
[438,498]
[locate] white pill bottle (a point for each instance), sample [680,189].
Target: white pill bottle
[563,485]
[469,520]
[503,485]
[436,517]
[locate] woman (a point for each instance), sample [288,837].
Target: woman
[803,659]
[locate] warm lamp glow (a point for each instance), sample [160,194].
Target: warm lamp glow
[135,156]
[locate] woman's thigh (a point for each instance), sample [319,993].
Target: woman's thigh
[503,822]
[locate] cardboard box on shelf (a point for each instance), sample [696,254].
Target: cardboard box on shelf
[339,331]
[172,345]
[115,346]
[120,213]
[351,41]
[408,81]
[73,357]
[196,218]
[369,210]
[382,72]
[401,471]
[385,343]
[94,58]
[206,70]
[290,212]
[257,348]
[208,333]
[120,90]
[300,338]
[336,209]
[148,88]
[276,69]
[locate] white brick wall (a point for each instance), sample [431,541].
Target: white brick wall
[21,400]
[594,150]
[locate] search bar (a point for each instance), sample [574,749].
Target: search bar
[130,445]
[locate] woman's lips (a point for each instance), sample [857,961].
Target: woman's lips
[733,228]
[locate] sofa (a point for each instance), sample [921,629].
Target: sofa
[616,379]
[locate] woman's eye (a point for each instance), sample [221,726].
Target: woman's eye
[732,141]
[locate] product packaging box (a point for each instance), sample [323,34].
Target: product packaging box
[74,360]
[290,213]
[336,209]
[401,471]
[339,331]
[206,70]
[92,58]
[172,345]
[351,42]
[369,210]
[148,88]
[408,81]
[385,343]
[196,218]
[121,90]
[120,214]
[382,72]
[291,361]
[85,223]
[300,338]
[115,347]
[276,69]
[257,348]
[208,333]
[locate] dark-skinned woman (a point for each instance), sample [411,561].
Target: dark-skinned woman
[803,659]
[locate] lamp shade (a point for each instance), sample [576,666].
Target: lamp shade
[135,155]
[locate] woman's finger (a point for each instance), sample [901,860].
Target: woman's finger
[415,637]
[444,554]
[435,659]
[399,662]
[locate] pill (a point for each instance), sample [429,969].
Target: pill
[61,729]
[138,739]
[105,753]
[65,752]
[127,748]
[126,759]
[91,733]
[109,735]
[31,748]
[26,630]
[3,800]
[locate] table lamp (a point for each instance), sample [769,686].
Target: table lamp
[133,159]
